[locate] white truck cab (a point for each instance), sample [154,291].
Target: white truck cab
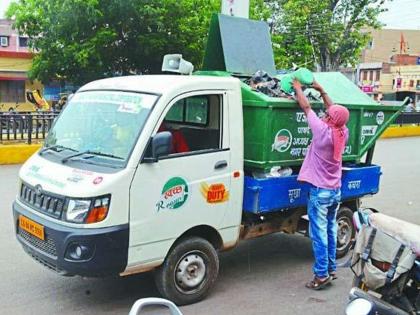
[107,194]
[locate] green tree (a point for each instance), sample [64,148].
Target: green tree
[327,33]
[83,40]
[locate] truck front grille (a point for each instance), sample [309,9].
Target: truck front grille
[47,246]
[44,202]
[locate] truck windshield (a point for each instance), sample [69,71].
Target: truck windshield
[106,123]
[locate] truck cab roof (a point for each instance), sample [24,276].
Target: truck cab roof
[162,84]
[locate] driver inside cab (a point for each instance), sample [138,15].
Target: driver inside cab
[179,143]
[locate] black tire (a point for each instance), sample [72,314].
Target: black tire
[345,231]
[188,272]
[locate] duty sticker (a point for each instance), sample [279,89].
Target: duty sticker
[215,193]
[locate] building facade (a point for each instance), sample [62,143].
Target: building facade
[385,43]
[391,80]
[15,62]
[390,67]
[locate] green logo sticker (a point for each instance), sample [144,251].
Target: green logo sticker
[174,194]
[282,141]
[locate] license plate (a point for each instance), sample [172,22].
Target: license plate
[31,227]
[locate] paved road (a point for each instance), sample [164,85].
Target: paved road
[263,276]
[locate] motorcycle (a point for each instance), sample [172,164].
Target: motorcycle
[386,266]
[159,303]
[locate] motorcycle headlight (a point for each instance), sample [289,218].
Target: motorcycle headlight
[87,210]
[359,307]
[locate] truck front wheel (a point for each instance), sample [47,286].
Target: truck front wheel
[188,272]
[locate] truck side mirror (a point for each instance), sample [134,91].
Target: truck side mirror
[160,145]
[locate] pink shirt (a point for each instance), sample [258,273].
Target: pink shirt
[319,167]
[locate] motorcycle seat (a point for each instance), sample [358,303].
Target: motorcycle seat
[405,232]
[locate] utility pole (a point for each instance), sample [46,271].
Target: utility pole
[238,8]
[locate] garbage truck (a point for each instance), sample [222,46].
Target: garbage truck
[108,194]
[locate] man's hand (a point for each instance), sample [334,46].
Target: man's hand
[325,98]
[317,87]
[297,85]
[300,97]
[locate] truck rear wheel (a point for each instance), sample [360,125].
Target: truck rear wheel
[188,272]
[345,231]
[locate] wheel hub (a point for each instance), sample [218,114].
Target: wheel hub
[344,232]
[190,271]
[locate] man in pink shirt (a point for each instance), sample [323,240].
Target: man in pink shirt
[322,170]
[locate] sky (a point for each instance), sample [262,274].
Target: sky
[402,14]
[3,6]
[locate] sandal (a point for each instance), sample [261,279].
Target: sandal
[317,283]
[333,275]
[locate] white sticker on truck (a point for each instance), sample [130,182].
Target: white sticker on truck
[369,130]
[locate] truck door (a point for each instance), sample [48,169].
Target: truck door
[190,186]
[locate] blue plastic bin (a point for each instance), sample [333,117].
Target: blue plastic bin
[282,193]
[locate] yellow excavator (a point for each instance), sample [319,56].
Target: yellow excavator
[36,98]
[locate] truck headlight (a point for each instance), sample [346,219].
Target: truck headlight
[87,210]
[359,307]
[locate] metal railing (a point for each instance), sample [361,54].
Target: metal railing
[408,118]
[25,127]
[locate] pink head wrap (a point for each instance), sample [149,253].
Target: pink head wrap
[337,118]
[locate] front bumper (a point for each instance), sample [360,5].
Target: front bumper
[104,252]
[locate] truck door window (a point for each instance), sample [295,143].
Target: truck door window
[191,110]
[195,121]
[196,110]
[176,113]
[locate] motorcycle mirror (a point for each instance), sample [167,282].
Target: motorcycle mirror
[361,217]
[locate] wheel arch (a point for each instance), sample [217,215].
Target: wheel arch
[352,204]
[206,232]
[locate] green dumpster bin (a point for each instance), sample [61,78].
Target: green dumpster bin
[276,132]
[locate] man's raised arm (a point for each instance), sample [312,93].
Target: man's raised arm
[326,99]
[301,98]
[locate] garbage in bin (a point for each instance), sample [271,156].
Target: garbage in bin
[275,171]
[303,75]
[261,81]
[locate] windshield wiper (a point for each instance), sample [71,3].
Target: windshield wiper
[55,147]
[64,160]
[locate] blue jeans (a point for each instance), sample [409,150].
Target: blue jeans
[322,212]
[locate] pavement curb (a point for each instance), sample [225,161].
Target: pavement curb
[401,131]
[17,153]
